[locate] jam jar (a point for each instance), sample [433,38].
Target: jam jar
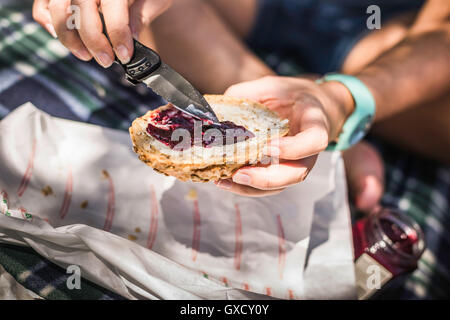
[388,244]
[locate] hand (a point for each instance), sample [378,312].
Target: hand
[316,115]
[123,19]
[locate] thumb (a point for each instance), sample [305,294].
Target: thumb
[255,90]
[304,144]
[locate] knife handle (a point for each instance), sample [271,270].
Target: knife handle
[144,62]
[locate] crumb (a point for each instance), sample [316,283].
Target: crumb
[105,174]
[192,195]
[137,230]
[84,204]
[47,191]
[132,238]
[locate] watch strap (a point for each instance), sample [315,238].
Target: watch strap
[359,121]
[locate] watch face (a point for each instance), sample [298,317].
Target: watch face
[361,130]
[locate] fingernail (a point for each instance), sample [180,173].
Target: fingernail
[51,30]
[83,54]
[123,54]
[224,184]
[242,178]
[104,59]
[271,151]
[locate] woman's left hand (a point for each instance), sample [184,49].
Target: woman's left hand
[316,114]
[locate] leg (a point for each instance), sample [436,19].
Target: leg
[424,129]
[193,38]
[369,48]
[364,167]
[239,14]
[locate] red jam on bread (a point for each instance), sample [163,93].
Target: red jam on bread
[163,123]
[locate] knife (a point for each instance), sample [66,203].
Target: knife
[147,67]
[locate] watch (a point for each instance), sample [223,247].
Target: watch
[359,122]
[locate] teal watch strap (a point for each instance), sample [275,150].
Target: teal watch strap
[357,125]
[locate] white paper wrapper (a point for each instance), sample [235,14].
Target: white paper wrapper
[78,195]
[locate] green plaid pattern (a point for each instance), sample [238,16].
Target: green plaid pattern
[421,188]
[35,67]
[47,279]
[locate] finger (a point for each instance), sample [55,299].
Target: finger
[91,33]
[246,191]
[365,176]
[115,13]
[69,38]
[275,176]
[304,144]
[41,14]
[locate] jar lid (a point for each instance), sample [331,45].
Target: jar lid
[399,232]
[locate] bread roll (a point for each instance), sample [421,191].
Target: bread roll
[200,163]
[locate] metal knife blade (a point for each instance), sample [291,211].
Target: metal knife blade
[146,66]
[175,89]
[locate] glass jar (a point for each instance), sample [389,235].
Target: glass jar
[388,240]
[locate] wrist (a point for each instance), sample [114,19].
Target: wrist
[339,105]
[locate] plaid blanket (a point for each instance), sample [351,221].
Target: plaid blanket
[35,67]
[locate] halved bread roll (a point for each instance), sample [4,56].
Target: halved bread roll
[211,163]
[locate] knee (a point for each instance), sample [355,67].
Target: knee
[181,15]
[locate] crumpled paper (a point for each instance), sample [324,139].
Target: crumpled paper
[78,195]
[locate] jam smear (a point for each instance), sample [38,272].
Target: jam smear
[163,124]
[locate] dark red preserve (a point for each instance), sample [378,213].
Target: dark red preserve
[163,124]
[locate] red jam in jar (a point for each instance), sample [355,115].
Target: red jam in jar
[164,123]
[390,239]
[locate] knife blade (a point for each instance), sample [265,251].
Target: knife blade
[146,67]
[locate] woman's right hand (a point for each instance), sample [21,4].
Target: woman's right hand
[124,19]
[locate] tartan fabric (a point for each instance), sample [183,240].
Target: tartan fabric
[421,188]
[37,68]
[34,67]
[47,279]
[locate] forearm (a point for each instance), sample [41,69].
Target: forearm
[412,73]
